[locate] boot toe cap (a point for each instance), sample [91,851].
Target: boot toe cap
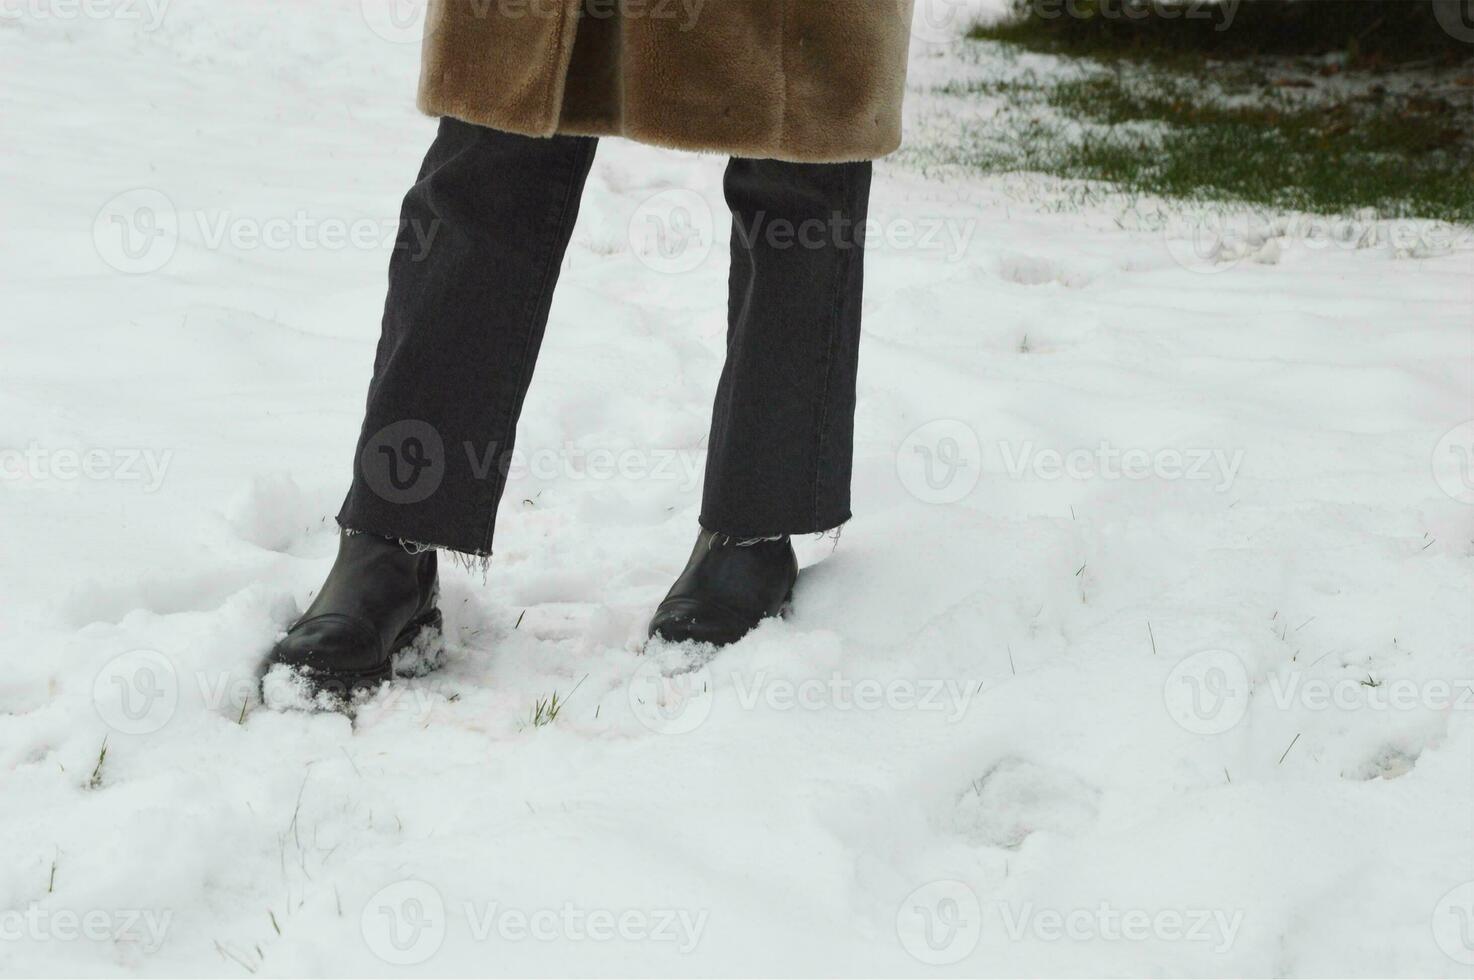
[330,643]
[682,620]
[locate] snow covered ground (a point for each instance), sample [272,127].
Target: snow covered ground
[1149,651]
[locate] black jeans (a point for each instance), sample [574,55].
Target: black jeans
[481,240]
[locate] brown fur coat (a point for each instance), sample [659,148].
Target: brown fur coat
[805,80]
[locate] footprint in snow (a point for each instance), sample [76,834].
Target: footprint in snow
[1034,270]
[1016,798]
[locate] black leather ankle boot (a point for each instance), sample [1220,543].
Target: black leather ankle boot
[376,601]
[728,587]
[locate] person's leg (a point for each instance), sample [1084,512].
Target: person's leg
[471,280]
[482,238]
[782,433]
[782,436]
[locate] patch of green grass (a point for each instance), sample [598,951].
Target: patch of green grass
[96,780]
[546,710]
[1161,135]
[1368,32]
[1257,113]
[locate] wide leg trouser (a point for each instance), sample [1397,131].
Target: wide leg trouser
[482,238]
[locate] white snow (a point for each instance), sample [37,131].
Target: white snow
[1032,715]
